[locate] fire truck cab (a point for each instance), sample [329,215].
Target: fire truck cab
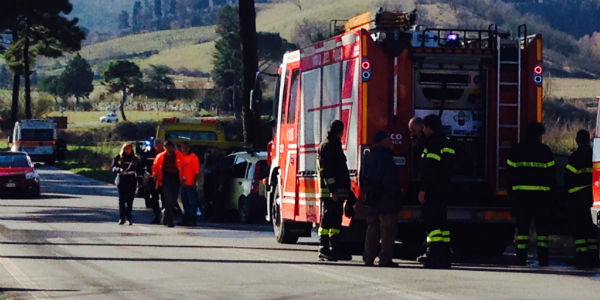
[378,73]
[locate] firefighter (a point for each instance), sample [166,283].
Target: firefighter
[334,183]
[434,185]
[531,174]
[578,177]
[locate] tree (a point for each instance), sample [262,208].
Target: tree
[123,76]
[158,80]
[158,9]
[124,20]
[55,87]
[40,28]
[136,17]
[271,48]
[77,78]
[227,60]
[247,25]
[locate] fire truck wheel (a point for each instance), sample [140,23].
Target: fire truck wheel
[281,228]
[243,210]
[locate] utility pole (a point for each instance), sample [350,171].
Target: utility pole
[250,66]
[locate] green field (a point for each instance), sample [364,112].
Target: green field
[569,88]
[133,116]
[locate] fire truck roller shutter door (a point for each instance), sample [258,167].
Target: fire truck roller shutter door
[310,129]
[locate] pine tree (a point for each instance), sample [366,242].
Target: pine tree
[123,20]
[136,17]
[77,78]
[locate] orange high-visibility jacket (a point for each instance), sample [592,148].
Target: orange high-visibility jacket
[157,167]
[190,169]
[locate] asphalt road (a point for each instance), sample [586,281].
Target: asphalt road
[67,245]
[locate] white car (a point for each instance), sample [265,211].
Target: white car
[109,118]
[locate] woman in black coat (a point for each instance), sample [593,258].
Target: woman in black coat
[125,165]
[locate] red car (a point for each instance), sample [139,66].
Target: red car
[17,175]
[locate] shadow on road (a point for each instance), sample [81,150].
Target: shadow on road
[59,181]
[5,290]
[402,265]
[69,215]
[156,246]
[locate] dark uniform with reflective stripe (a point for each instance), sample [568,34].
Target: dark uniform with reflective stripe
[435,172]
[578,177]
[334,177]
[531,176]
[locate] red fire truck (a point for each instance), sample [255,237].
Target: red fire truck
[596,169]
[379,72]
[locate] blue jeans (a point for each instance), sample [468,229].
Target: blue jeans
[189,197]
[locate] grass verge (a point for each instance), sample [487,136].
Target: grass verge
[91,161]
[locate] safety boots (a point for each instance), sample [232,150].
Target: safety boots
[436,256]
[325,253]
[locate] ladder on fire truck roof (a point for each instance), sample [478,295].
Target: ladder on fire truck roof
[508,101]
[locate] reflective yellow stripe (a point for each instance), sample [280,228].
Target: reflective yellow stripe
[592,240]
[521,246]
[434,156]
[323,231]
[448,150]
[330,180]
[446,240]
[446,233]
[578,171]
[434,239]
[434,233]
[530,188]
[542,237]
[580,241]
[542,244]
[522,237]
[333,231]
[593,247]
[529,164]
[578,188]
[581,249]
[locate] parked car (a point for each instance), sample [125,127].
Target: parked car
[245,190]
[18,175]
[109,118]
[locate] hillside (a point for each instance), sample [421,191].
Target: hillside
[191,48]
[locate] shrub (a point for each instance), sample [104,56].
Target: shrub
[128,131]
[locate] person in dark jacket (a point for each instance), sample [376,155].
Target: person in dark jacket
[379,181]
[417,141]
[434,185]
[334,184]
[531,177]
[151,194]
[125,165]
[578,177]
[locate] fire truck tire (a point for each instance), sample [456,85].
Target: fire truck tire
[281,228]
[483,240]
[243,210]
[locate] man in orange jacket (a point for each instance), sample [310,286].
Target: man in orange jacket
[166,169]
[189,175]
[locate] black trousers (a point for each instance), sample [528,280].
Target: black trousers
[170,191]
[126,187]
[152,196]
[582,227]
[436,224]
[532,206]
[331,215]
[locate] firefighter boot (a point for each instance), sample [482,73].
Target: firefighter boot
[543,256]
[338,250]
[593,261]
[430,259]
[444,257]
[522,257]
[324,251]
